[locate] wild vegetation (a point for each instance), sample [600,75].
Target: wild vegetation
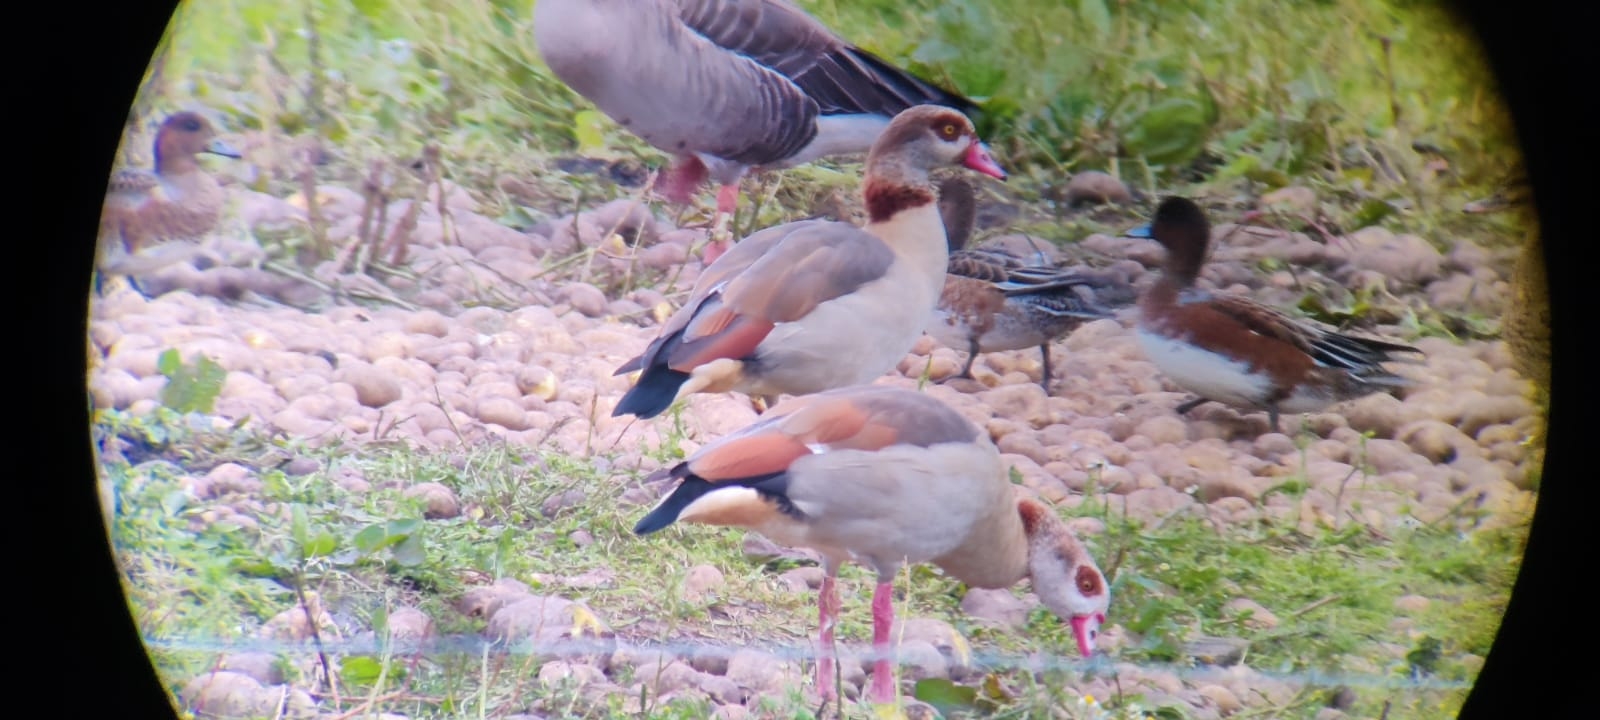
[1383,107]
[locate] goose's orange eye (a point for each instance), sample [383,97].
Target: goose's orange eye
[1088,581]
[949,131]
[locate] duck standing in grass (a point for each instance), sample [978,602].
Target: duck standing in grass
[153,219]
[995,301]
[1233,350]
[813,305]
[885,476]
[726,85]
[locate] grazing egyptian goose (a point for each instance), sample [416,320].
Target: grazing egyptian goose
[885,476]
[150,218]
[1233,350]
[726,85]
[813,305]
[994,300]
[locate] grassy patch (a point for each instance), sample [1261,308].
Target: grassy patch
[1383,106]
[198,573]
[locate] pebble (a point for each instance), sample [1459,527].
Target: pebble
[462,370]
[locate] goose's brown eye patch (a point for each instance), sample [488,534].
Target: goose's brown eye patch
[1088,581]
[949,131]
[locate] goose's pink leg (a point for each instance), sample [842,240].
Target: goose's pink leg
[883,689]
[828,616]
[728,199]
[727,202]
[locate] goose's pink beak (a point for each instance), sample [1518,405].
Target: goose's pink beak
[978,158]
[1086,627]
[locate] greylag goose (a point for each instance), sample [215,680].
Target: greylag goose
[726,85]
[994,300]
[812,305]
[1233,350]
[886,476]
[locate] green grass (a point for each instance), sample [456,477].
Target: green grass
[1332,590]
[1350,97]
[1383,107]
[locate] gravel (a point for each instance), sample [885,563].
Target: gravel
[536,370]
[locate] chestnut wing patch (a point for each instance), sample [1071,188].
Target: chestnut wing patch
[1326,348]
[875,417]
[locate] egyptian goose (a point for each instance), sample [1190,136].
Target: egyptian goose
[886,476]
[814,305]
[150,217]
[726,85]
[994,300]
[1233,350]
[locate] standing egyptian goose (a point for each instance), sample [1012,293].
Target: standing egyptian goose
[726,85]
[813,305]
[150,218]
[1233,350]
[994,301]
[886,476]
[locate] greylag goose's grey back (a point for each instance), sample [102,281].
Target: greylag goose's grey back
[734,83]
[642,66]
[842,78]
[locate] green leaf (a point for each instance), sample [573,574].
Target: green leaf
[1241,166]
[503,548]
[169,362]
[371,9]
[380,623]
[257,568]
[299,524]
[945,695]
[1096,16]
[406,526]
[1370,213]
[588,126]
[190,388]
[323,544]
[360,670]
[409,552]
[1170,132]
[1170,712]
[375,537]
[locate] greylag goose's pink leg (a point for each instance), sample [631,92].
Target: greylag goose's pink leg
[728,199]
[827,617]
[883,689]
[721,240]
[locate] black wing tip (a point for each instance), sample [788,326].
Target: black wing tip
[904,81]
[1384,347]
[655,521]
[653,394]
[666,513]
[629,366]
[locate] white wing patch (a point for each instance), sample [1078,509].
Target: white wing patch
[718,501]
[1205,373]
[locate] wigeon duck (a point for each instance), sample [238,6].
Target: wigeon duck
[887,477]
[179,202]
[726,85]
[994,300]
[813,305]
[1233,350]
